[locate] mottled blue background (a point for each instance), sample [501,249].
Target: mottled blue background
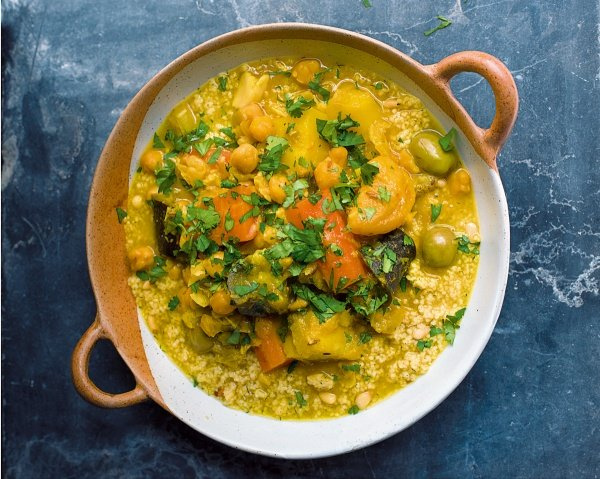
[529,407]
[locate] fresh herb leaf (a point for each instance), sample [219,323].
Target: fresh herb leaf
[244,289]
[444,22]
[153,274]
[173,303]
[338,133]
[234,337]
[354,409]
[157,142]
[435,212]
[466,246]
[229,223]
[368,172]
[297,107]
[384,194]
[315,85]
[423,344]
[300,399]
[379,85]
[451,324]
[165,177]
[355,368]
[270,160]
[447,141]
[121,214]
[285,73]
[215,155]
[323,305]
[365,337]
[222,83]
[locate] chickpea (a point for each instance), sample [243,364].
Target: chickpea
[363,399]
[339,155]
[214,265]
[141,257]
[152,160]
[137,201]
[304,71]
[244,158]
[459,182]
[248,112]
[327,174]
[261,127]
[277,183]
[220,302]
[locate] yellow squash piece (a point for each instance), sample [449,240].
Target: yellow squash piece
[314,341]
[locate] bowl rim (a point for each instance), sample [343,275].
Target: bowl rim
[413,69]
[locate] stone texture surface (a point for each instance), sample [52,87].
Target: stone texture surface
[529,407]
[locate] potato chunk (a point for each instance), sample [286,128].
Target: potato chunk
[250,89]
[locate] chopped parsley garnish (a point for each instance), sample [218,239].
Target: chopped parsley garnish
[365,337]
[367,3]
[323,305]
[407,241]
[156,272]
[444,22]
[337,132]
[165,177]
[449,326]
[173,303]
[354,410]
[294,190]
[285,73]
[368,172]
[289,128]
[297,107]
[229,183]
[384,194]
[315,85]
[222,83]
[423,344]
[215,155]
[303,245]
[300,399]
[187,141]
[229,223]
[447,141]
[157,142]
[435,212]
[270,160]
[355,368]
[466,246]
[379,85]
[121,214]
[234,337]
[244,289]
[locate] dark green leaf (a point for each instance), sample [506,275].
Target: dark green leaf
[435,212]
[173,303]
[157,142]
[444,22]
[447,141]
[121,214]
[222,83]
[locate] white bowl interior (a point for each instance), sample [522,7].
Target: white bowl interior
[310,439]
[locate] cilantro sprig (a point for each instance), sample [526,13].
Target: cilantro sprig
[297,107]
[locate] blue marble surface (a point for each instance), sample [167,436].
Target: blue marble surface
[530,406]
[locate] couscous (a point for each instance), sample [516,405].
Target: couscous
[303,238]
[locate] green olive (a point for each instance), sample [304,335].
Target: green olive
[198,341]
[438,247]
[429,155]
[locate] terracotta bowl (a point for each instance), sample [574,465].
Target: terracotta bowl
[118,320]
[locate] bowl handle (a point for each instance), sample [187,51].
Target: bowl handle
[80,363]
[505,92]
